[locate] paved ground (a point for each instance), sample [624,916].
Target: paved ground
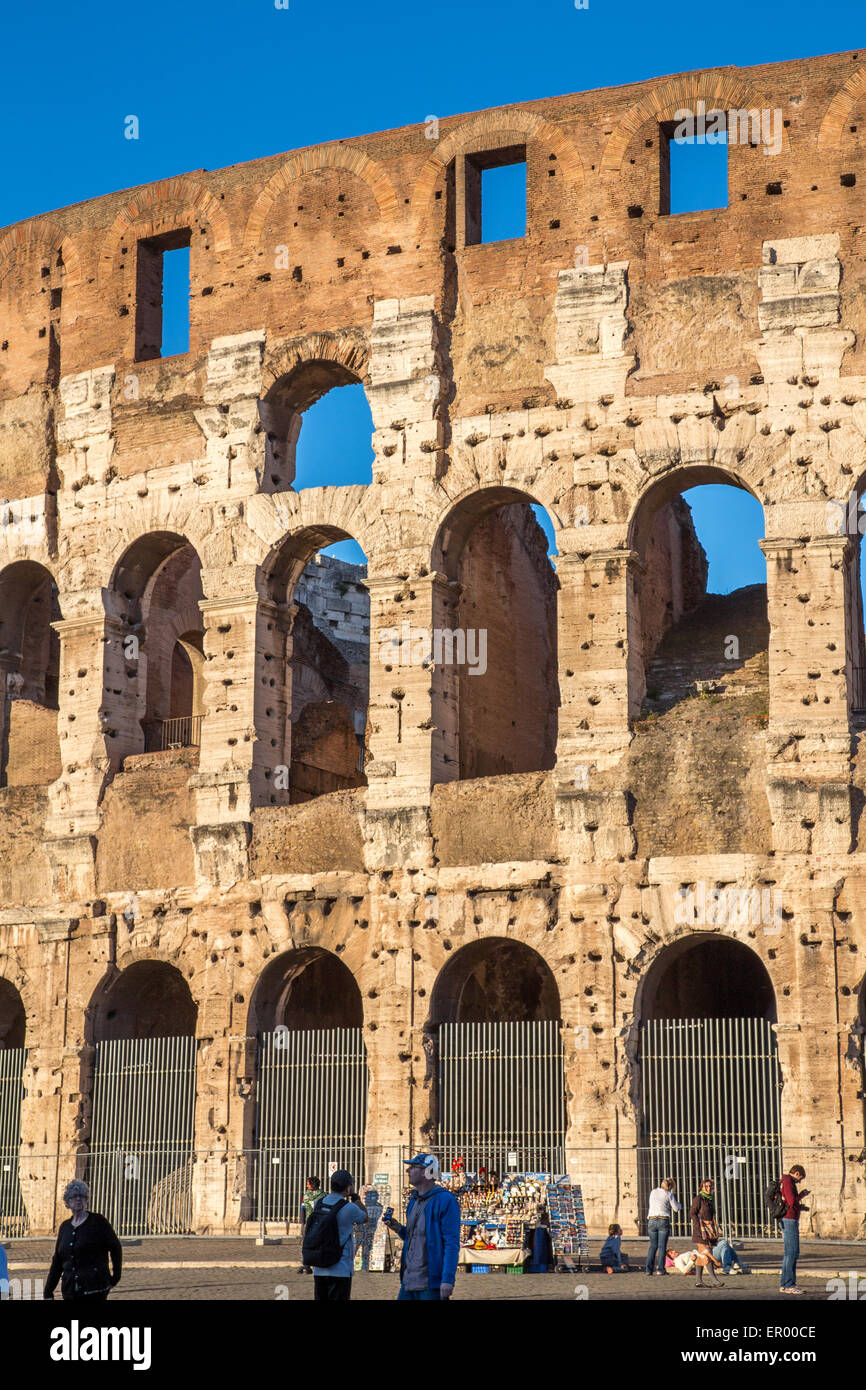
[217,1268]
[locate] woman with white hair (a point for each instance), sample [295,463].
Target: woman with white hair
[84,1243]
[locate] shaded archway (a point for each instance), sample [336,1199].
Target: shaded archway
[497,624]
[311,1076]
[156,702]
[30,674]
[495,1030]
[13,1024]
[143,1022]
[710,1080]
[313,670]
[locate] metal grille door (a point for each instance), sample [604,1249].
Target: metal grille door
[502,1096]
[712,1092]
[13,1218]
[312,1112]
[141,1153]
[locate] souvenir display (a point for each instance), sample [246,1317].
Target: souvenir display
[568,1226]
[496,1214]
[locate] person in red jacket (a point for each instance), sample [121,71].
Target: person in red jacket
[791,1226]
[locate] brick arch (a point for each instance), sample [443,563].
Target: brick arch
[42,234]
[150,212]
[462,514]
[664,99]
[297,525]
[349,158]
[515,126]
[839,111]
[14,978]
[347,351]
[668,483]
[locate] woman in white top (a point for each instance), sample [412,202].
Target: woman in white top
[662,1203]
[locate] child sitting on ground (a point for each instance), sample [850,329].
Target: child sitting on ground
[612,1259]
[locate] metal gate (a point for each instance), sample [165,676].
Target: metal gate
[502,1096]
[311,1112]
[141,1153]
[712,1092]
[13,1217]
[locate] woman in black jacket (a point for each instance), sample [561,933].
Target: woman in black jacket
[705,1233]
[84,1243]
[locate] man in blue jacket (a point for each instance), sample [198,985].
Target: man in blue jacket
[431,1236]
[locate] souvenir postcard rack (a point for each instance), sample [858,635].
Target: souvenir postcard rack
[568,1226]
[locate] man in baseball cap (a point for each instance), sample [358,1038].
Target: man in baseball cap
[431,1236]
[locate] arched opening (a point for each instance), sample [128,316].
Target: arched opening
[710,1078]
[312,707]
[158,659]
[849,519]
[495,1027]
[311,1080]
[319,428]
[143,1021]
[497,663]
[13,1023]
[30,675]
[698,667]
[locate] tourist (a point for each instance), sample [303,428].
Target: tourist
[4,1271]
[431,1235]
[662,1204]
[705,1233]
[724,1252]
[313,1194]
[613,1261]
[329,1239]
[85,1242]
[791,1226]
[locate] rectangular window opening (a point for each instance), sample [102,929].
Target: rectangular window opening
[496,195]
[162,296]
[694,166]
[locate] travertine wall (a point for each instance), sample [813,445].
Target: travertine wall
[603,363]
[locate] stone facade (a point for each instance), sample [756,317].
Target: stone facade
[598,366]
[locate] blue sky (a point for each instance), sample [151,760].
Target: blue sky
[217,83]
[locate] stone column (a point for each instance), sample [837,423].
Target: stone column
[601,687]
[808,779]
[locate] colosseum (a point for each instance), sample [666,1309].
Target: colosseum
[552,865]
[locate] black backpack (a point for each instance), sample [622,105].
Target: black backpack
[776,1204]
[322,1245]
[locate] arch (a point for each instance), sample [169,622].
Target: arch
[161,207]
[496,980]
[140,561]
[41,233]
[839,111]
[306,988]
[509,126]
[666,486]
[149,999]
[13,1017]
[30,675]
[706,975]
[339,358]
[351,158]
[663,99]
[497,662]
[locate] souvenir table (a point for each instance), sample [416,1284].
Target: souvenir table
[498,1218]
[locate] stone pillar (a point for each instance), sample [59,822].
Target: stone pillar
[601,686]
[808,780]
[246,689]
[97,722]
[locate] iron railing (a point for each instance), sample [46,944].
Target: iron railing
[163,734]
[311,1112]
[502,1096]
[712,1108]
[12,1213]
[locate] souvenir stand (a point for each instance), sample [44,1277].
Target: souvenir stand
[498,1217]
[567,1226]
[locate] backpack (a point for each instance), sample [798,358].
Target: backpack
[776,1204]
[322,1246]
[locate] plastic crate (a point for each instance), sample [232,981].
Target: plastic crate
[479,1269]
[514,1269]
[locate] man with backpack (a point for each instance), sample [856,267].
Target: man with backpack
[785,1204]
[329,1241]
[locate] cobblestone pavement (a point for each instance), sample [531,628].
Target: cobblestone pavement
[217,1268]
